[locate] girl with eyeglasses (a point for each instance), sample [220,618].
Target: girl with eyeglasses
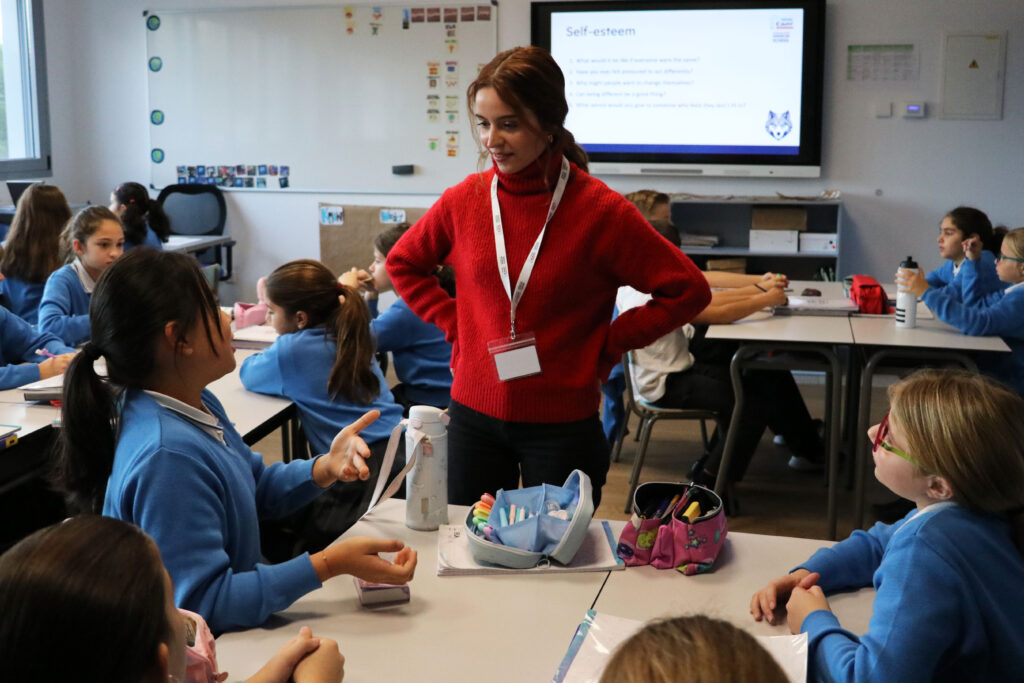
[949,577]
[983,312]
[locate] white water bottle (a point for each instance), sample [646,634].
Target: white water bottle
[426,485]
[906,301]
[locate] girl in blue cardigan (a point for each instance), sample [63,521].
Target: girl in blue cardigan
[423,357]
[960,225]
[155,447]
[949,577]
[979,311]
[324,361]
[93,240]
[27,355]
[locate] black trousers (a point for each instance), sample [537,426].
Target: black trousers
[486,454]
[771,399]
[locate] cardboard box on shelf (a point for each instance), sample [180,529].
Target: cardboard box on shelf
[729,265]
[778,218]
[784,241]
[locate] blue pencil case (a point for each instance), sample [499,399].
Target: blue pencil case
[542,533]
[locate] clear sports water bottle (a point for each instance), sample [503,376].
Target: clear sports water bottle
[426,485]
[906,301]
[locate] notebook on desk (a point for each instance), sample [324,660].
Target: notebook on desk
[255,337]
[816,306]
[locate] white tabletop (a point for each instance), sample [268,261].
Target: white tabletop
[747,563]
[456,628]
[763,326]
[194,242]
[247,410]
[931,334]
[31,417]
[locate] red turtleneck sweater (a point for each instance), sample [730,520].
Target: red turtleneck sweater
[596,242]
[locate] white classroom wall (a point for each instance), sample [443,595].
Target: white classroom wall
[897,176]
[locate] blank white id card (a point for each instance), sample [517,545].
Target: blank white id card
[515,358]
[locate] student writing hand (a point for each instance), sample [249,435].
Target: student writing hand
[764,602]
[325,665]
[280,667]
[346,460]
[972,248]
[55,366]
[775,296]
[802,602]
[360,557]
[912,281]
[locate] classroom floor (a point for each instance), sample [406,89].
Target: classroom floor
[772,498]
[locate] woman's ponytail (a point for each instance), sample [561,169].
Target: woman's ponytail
[158,220]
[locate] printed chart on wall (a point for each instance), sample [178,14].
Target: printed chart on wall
[353,98]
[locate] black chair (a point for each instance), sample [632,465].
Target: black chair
[197,210]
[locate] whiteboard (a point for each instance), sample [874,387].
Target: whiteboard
[325,98]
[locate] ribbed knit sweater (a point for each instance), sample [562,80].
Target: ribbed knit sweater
[596,242]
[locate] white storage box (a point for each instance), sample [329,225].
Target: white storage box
[774,240]
[818,241]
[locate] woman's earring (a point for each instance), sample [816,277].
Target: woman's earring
[551,138]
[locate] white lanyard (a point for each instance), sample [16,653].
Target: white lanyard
[499,241]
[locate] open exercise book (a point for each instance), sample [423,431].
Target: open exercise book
[597,554]
[254,337]
[599,634]
[52,388]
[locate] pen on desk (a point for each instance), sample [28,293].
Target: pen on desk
[44,352]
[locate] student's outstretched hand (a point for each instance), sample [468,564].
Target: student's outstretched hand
[281,667]
[325,665]
[360,557]
[766,600]
[776,279]
[52,367]
[346,460]
[802,602]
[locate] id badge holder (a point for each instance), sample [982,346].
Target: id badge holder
[515,358]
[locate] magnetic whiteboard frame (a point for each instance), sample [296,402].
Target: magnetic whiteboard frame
[361,148]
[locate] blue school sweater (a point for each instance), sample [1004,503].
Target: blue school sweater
[23,298]
[944,278]
[297,366]
[1000,313]
[18,344]
[150,240]
[949,601]
[422,356]
[200,496]
[64,309]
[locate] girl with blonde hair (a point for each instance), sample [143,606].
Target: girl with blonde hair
[949,577]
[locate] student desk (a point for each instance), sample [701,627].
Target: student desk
[456,628]
[512,627]
[931,341]
[191,244]
[803,336]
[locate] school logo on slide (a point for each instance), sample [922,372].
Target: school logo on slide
[778,125]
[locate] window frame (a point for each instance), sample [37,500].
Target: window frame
[32,61]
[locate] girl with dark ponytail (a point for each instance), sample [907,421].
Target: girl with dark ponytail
[541,248]
[143,218]
[154,447]
[324,361]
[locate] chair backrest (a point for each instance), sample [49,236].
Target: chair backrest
[212,275]
[194,209]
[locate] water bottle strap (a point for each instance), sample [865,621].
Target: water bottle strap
[380,493]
